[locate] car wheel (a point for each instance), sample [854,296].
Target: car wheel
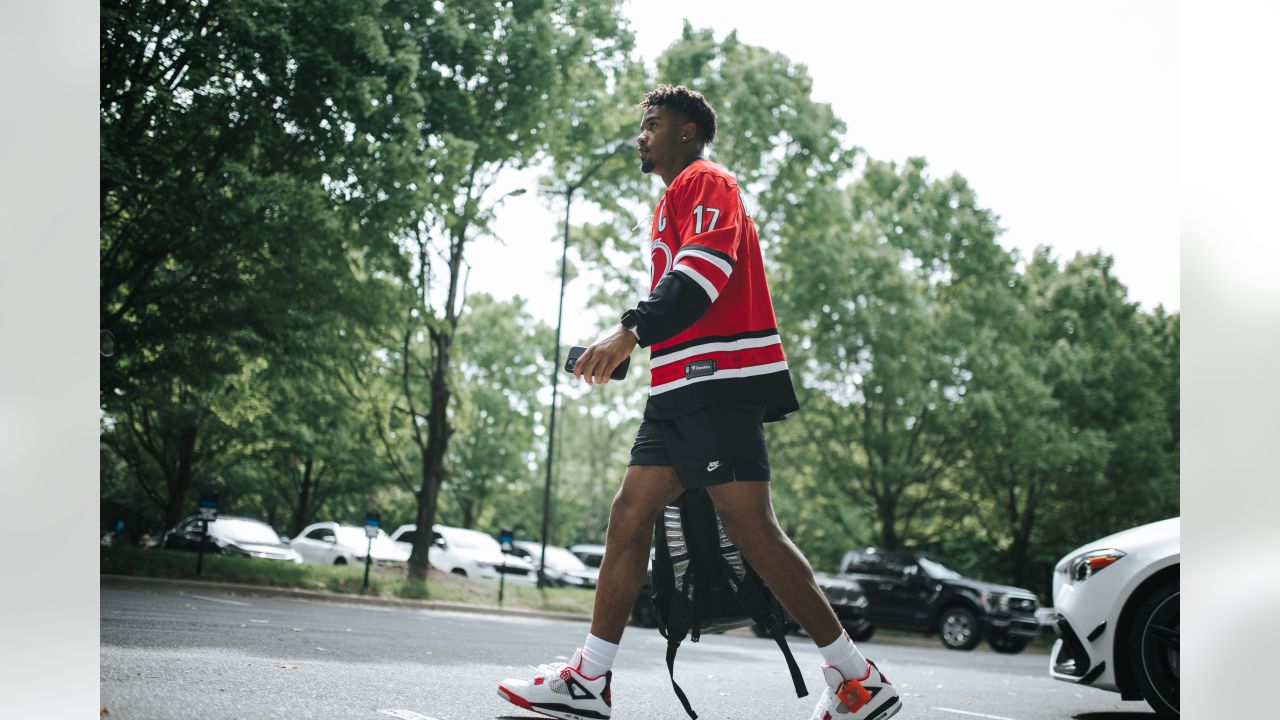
[340,561]
[1008,645]
[644,614]
[459,572]
[1153,649]
[958,628]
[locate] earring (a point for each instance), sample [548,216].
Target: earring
[684,139]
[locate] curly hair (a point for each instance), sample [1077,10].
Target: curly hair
[689,103]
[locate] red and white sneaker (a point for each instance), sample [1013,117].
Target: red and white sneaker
[868,698]
[559,690]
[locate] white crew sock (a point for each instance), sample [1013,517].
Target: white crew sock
[597,656]
[843,655]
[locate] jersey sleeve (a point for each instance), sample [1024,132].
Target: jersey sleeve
[708,213]
[708,217]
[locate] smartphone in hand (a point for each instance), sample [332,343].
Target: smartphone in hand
[576,351]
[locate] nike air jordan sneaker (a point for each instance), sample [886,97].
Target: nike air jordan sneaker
[868,698]
[559,690]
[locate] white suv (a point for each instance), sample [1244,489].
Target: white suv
[1116,602]
[467,553]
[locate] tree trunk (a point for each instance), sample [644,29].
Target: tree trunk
[1020,551]
[887,509]
[303,512]
[438,433]
[179,480]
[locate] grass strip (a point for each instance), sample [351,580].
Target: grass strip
[383,582]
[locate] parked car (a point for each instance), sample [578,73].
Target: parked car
[467,553]
[563,567]
[590,555]
[232,535]
[1118,621]
[913,591]
[847,600]
[328,543]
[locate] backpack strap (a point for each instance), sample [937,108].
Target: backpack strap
[750,594]
[672,646]
[675,616]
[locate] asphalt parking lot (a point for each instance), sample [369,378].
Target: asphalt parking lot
[167,653]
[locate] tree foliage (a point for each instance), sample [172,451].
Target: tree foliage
[289,191]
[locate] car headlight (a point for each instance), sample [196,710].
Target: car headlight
[1083,567]
[993,602]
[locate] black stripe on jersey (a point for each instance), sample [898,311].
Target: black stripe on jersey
[712,339]
[707,250]
[673,306]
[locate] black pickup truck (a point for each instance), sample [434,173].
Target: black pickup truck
[911,591]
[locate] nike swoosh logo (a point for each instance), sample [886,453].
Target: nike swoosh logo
[713,466]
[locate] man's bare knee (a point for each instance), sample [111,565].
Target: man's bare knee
[644,493]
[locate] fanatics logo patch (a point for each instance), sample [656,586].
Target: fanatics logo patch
[699,368]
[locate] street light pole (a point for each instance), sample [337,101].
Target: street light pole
[568,192]
[555,378]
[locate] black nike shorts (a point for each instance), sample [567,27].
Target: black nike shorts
[709,446]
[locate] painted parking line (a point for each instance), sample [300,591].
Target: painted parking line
[220,600]
[406,715]
[973,714]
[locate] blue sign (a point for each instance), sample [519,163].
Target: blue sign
[507,539]
[208,507]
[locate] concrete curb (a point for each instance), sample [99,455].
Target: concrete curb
[321,596]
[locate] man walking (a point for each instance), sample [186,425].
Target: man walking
[718,373]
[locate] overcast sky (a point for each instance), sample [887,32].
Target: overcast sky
[1063,116]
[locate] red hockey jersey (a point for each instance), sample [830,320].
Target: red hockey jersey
[709,319]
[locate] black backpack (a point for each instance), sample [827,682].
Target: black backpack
[702,584]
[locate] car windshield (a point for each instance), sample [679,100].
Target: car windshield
[938,571]
[468,539]
[247,531]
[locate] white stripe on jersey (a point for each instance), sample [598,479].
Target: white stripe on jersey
[727,345]
[721,375]
[724,266]
[697,277]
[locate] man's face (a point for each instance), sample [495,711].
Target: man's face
[659,141]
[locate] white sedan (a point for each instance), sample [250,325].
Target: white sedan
[1117,615]
[563,567]
[467,553]
[328,543]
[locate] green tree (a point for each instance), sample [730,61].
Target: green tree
[1113,369]
[500,369]
[252,171]
[496,75]
[880,307]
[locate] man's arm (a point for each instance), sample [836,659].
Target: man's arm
[707,221]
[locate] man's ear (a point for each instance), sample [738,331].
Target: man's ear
[689,132]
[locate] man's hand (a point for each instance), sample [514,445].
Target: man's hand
[604,356]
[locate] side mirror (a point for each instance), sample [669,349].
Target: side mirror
[331,539]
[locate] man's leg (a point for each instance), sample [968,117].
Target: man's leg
[581,687]
[748,518]
[646,490]
[856,690]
